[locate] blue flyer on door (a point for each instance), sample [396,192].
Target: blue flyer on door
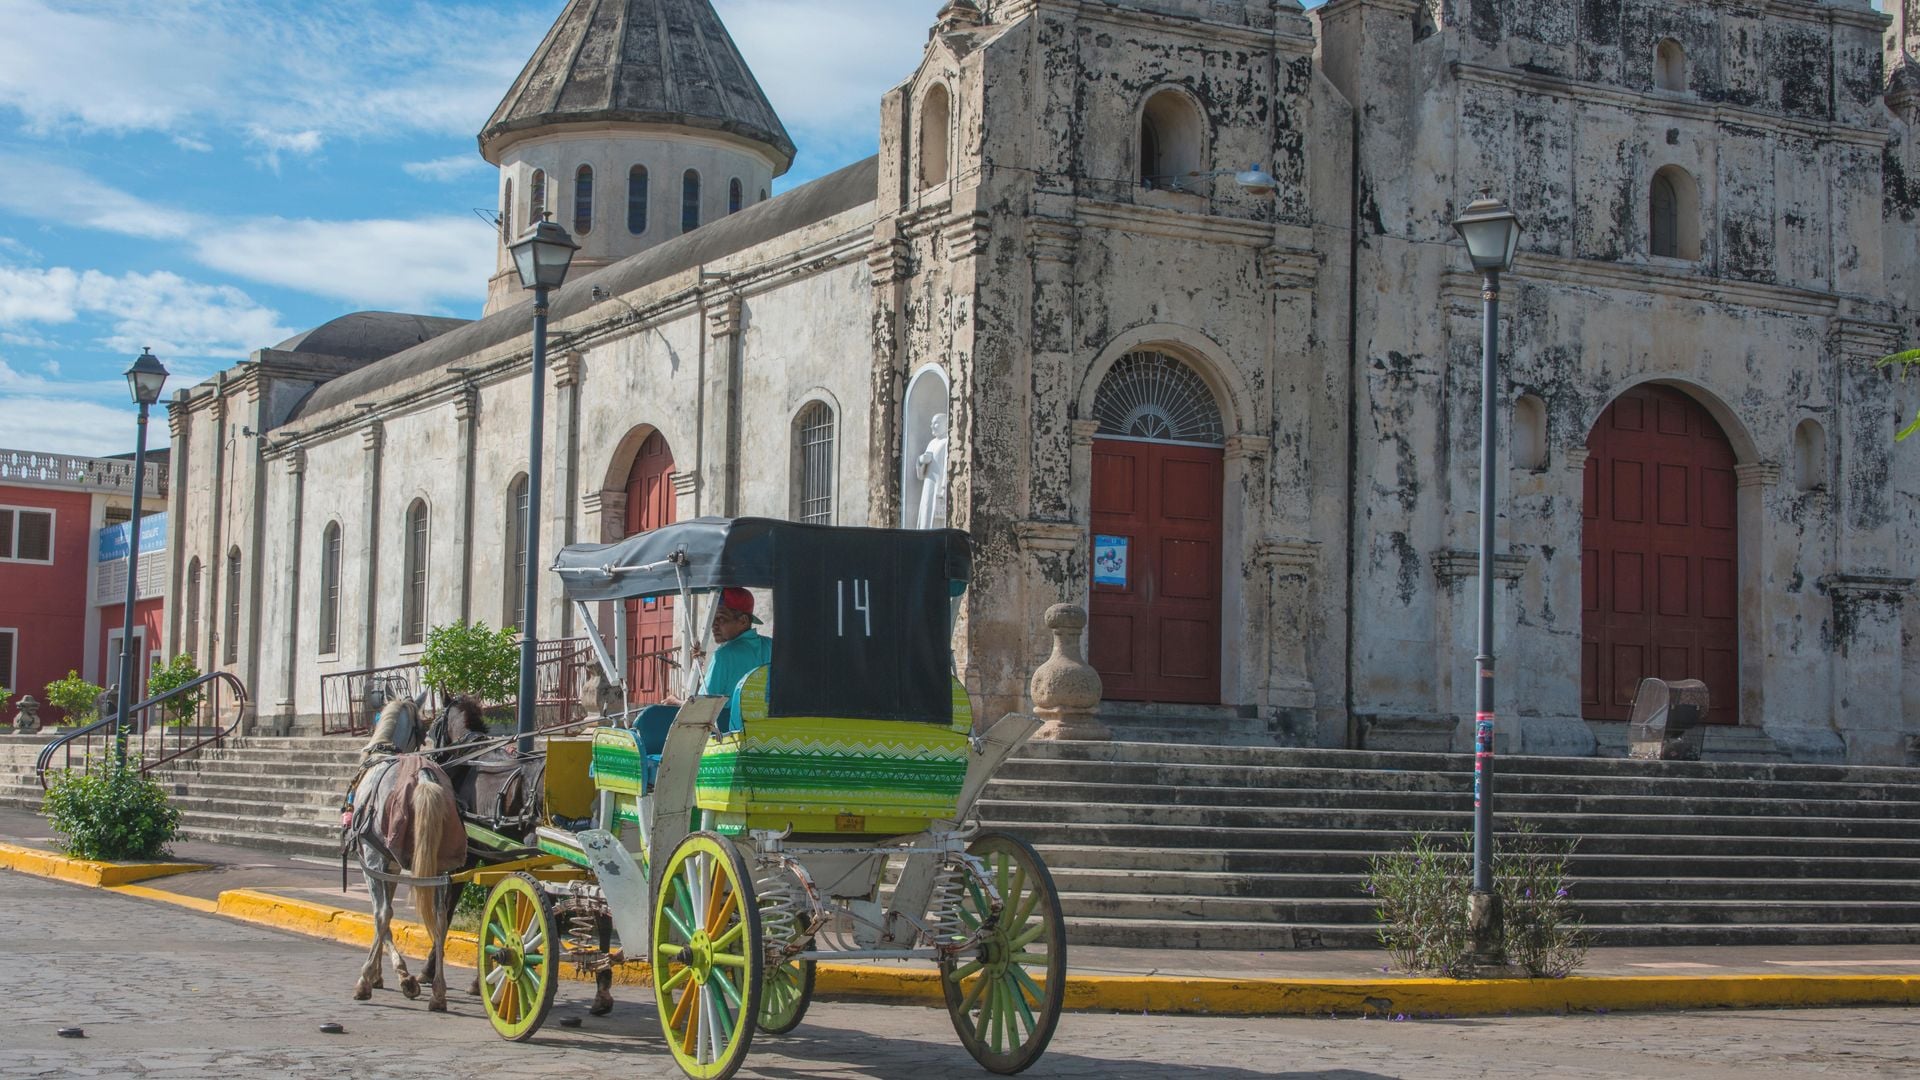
[1110,560]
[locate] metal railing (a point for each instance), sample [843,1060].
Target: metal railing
[69,470]
[351,701]
[166,727]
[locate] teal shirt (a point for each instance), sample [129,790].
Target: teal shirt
[733,661]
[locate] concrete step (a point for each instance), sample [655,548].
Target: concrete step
[1349,886]
[1354,862]
[1360,910]
[1189,934]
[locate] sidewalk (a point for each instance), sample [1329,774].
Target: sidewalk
[304,895]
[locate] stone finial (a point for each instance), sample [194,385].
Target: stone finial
[1066,689]
[27,720]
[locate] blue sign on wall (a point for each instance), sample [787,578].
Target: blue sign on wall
[114,541]
[1110,560]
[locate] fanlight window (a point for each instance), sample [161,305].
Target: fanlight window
[1150,395]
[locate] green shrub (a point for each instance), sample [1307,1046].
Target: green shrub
[1421,896]
[470,659]
[75,697]
[172,675]
[113,813]
[1905,362]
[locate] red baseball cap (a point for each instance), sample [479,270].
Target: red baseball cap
[739,600]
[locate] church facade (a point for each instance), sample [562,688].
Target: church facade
[1240,425]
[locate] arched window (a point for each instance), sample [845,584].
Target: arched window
[537,198]
[1150,395]
[413,608]
[1171,142]
[936,117]
[736,196]
[1529,433]
[1673,212]
[193,609]
[506,215]
[330,589]
[1810,455]
[1670,66]
[230,647]
[583,200]
[813,464]
[637,200]
[516,575]
[690,201]
[763,194]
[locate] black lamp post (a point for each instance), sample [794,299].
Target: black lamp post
[542,255]
[1492,234]
[145,379]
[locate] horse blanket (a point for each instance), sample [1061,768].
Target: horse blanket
[385,813]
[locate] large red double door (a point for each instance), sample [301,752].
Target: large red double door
[1154,617]
[1659,555]
[650,637]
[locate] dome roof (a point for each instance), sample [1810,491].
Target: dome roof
[640,62]
[369,335]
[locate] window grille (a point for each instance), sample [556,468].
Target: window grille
[583,201]
[1150,395]
[813,438]
[690,201]
[330,589]
[413,616]
[537,198]
[516,576]
[26,535]
[637,200]
[9,643]
[230,648]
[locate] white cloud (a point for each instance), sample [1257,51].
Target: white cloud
[173,315]
[86,201]
[274,143]
[411,265]
[67,425]
[442,170]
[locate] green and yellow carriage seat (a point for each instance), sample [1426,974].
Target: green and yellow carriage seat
[827,776]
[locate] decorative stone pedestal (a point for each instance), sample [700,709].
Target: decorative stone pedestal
[27,720]
[1065,689]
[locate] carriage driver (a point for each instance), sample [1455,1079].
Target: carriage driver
[739,648]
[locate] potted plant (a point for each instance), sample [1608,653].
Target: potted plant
[75,697]
[473,660]
[182,711]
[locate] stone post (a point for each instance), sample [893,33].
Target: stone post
[1066,690]
[27,720]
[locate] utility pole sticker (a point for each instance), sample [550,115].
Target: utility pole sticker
[1482,752]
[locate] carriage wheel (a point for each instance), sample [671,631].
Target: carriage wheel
[1005,994]
[519,957]
[789,991]
[707,956]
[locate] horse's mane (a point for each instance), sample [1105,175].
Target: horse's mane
[388,726]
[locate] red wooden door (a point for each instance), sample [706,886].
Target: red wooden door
[1658,559]
[1154,629]
[649,622]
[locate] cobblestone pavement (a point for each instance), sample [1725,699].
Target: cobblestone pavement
[165,992]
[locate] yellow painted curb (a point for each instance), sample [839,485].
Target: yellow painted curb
[205,907]
[50,864]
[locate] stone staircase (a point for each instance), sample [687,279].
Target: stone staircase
[1188,846]
[1242,847]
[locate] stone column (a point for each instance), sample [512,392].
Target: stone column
[466,407]
[1867,664]
[286,708]
[721,437]
[565,458]
[1066,690]
[178,428]
[1292,563]
[372,438]
[888,261]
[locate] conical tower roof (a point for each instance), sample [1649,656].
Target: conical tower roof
[642,62]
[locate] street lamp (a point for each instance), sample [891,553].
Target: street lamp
[542,255]
[145,379]
[1492,234]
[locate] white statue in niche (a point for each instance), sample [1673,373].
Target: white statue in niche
[931,468]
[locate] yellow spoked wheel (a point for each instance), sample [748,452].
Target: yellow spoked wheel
[707,956]
[784,1002]
[519,957]
[1005,993]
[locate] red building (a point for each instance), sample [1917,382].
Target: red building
[63,543]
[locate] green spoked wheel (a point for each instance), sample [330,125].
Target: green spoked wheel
[519,957]
[707,956]
[1005,993]
[788,992]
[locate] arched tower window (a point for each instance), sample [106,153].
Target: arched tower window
[1529,433]
[506,215]
[193,609]
[230,647]
[1150,395]
[1670,66]
[516,549]
[690,201]
[413,607]
[330,589]
[936,117]
[583,200]
[763,194]
[1810,455]
[736,196]
[813,464]
[637,200]
[1673,210]
[537,198]
[1171,138]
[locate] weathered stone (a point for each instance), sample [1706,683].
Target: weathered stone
[1066,689]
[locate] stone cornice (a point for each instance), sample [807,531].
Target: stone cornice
[890,260]
[466,403]
[1454,564]
[1055,536]
[1289,553]
[1290,270]
[1574,458]
[373,436]
[567,367]
[1675,105]
[1289,35]
[967,234]
[1464,285]
[1152,221]
[1864,339]
[1246,447]
[686,483]
[1084,431]
[1757,474]
[1053,241]
[723,319]
[1867,588]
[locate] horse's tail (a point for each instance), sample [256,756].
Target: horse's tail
[433,810]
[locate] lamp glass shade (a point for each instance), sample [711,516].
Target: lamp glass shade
[1257,180]
[543,255]
[146,378]
[1491,232]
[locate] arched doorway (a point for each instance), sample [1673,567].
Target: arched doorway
[650,504]
[1659,555]
[1158,474]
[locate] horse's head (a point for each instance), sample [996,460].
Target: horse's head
[399,727]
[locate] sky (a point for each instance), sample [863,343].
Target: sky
[210,177]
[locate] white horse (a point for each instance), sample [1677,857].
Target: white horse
[424,849]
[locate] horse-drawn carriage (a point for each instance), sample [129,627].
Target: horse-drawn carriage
[816,812]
